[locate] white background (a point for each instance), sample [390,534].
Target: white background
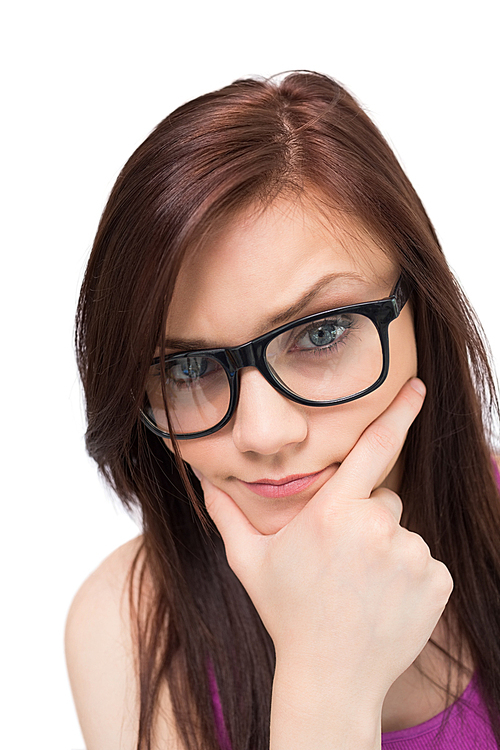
[84,83]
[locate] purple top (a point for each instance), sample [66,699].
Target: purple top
[467,727]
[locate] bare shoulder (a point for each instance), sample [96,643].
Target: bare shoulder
[100,656]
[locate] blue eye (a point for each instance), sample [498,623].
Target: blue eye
[193,367]
[190,372]
[187,369]
[323,334]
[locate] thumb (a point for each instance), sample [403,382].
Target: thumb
[234,527]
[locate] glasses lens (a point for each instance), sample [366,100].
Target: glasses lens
[331,358]
[197,392]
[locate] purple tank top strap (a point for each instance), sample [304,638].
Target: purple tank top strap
[220,727]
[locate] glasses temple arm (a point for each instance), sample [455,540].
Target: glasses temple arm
[400,294]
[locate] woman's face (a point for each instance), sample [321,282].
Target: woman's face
[258,267]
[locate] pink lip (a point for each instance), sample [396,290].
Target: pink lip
[282,487]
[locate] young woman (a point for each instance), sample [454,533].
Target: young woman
[283,375]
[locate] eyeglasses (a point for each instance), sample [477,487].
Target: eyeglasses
[329,358]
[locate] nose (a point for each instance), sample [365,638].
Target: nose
[265,421]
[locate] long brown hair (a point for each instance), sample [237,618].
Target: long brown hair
[248,142]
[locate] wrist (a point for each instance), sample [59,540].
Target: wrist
[322,711]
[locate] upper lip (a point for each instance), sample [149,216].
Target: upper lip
[285,480]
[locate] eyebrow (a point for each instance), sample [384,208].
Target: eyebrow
[289,314]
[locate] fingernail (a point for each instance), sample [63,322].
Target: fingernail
[418,386]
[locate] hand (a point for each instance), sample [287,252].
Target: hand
[343,589]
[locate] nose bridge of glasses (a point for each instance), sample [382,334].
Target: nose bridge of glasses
[246,355]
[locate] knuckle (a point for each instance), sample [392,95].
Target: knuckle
[443,580]
[382,439]
[390,500]
[382,523]
[418,551]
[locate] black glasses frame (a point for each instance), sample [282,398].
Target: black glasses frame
[253,354]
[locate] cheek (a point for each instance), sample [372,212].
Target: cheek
[202,454]
[403,348]
[340,427]
[334,432]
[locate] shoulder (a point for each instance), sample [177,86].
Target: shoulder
[101,603]
[99,653]
[100,656]
[104,589]
[109,581]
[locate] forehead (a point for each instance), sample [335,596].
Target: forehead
[262,262]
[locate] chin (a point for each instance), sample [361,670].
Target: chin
[272,520]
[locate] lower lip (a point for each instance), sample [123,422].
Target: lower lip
[282,490]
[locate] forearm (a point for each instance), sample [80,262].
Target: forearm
[308,712]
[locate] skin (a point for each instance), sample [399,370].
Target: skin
[254,268]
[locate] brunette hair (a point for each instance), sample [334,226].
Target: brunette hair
[251,141]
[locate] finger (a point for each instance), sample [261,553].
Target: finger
[233,525]
[379,444]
